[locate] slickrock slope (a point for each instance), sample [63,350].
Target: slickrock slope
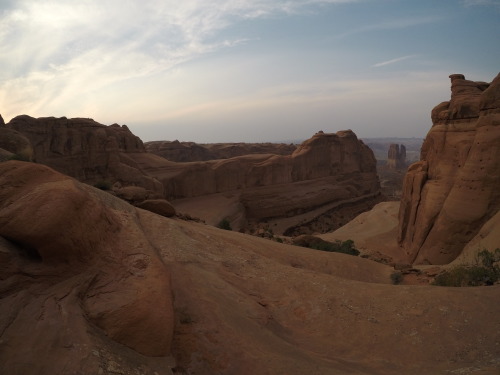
[325,171]
[454,189]
[84,288]
[86,150]
[190,151]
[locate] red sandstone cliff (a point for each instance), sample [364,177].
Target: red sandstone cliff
[324,173]
[454,189]
[326,169]
[86,150]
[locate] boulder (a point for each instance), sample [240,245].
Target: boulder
[453,190]
[132,193]
[158,206]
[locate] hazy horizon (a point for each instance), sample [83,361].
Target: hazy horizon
[241,70]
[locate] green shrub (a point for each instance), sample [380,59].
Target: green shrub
[484,272]
[18,157]
[345,247]
[103,185]
[396,277]
[224,224]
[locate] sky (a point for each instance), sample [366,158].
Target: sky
[243,70]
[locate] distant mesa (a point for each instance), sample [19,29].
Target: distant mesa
[454,189]
[190,151]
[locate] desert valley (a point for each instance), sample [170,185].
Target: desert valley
[119,256]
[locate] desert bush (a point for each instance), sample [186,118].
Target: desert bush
[103,185]
[224,224]
[18,157]
[396,277]
[345,247]
[486,271]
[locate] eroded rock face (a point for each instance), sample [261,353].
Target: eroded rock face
[326,169]
[86,150]
[80,285]
[454,189]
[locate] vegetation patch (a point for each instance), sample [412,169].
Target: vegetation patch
[312,242]
[396,277]
[18,157]
[103,185]
[224,224]
[486,271]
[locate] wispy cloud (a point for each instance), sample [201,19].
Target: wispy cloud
[469,3]
[393,61]
[59,52]
[393,24]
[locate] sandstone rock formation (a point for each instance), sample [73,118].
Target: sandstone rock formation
[87,284]
[86,150]
[396,156]
[323,172]
[190,151]
[82,290]
[454,189]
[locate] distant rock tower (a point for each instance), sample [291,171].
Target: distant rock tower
[396,157]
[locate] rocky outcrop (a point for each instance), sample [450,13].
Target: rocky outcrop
[91,285]
[396,156]
[453,190]
[189,151]
[326,169]
[81,288]
[84,149]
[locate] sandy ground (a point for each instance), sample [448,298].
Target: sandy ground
[374,231]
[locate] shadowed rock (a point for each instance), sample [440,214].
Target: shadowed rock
[453,190]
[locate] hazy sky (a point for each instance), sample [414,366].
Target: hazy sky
[243,70]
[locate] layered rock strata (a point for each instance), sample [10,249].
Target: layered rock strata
[326,169]
[454,189]
[86,150]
